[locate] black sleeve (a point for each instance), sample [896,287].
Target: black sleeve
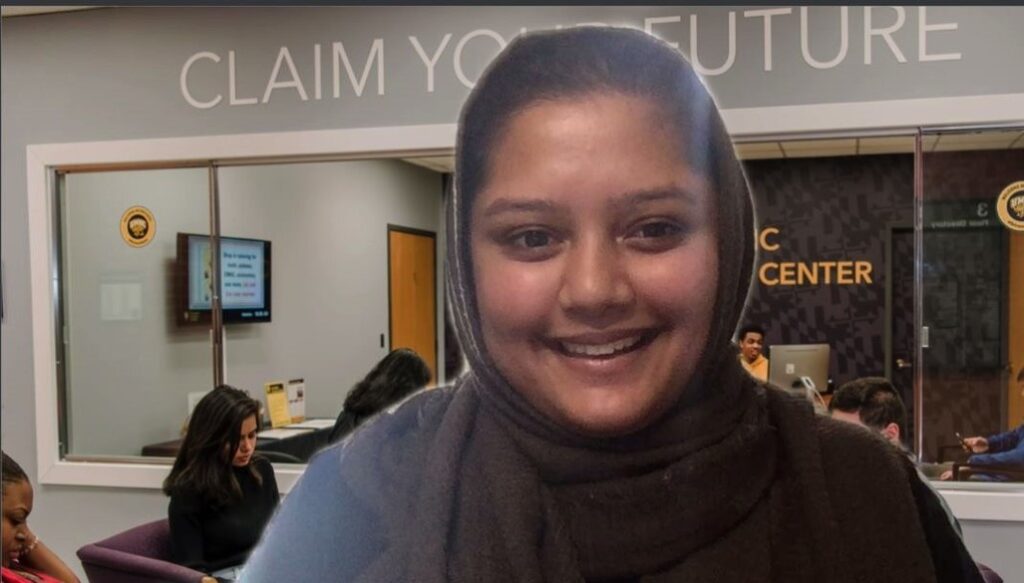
[185,517]
[952,561]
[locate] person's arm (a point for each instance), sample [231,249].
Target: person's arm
[184,516]
[1005,441]
[39,557]
[1014,457]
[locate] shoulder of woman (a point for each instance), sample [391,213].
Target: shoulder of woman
[264,467]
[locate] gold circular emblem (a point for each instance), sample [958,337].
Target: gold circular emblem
[138,226]
[1010,206]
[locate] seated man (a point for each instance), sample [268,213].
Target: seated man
[875,404]
[751,340]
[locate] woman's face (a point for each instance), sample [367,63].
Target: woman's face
[17,505]
[246,442]
[595,259]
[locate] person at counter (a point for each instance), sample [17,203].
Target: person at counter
[399,374]
[751,340]
[222,492]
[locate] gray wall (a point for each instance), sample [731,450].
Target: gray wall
[114,74]
[327,223]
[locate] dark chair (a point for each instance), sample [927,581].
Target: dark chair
[138,555]
[988,574]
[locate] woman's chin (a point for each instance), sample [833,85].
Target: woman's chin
[604,422]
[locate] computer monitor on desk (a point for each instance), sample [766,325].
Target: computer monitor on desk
[790,363]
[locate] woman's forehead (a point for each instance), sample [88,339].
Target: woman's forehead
[612,144]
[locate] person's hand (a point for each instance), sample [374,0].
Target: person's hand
[31,540]
[946,475]
[976,444]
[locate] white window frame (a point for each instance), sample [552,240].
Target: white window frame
[748,124]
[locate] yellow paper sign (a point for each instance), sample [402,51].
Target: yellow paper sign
[277,405]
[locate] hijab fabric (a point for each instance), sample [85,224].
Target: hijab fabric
[492,490]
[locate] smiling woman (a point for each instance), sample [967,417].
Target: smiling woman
[601,244]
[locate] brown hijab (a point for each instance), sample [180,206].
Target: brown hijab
[473,484]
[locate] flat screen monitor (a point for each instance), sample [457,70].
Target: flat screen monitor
[245,279]
[788,363]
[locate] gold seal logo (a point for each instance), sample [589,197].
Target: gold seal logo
[138,226]
[1010,206]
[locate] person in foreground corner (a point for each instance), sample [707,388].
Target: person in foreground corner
[601,245]
[25,558]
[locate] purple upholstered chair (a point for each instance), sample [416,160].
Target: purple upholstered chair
[137,555]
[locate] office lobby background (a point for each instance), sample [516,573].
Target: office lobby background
[780,74]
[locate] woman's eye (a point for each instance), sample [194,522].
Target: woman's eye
[656,230]
[532,239]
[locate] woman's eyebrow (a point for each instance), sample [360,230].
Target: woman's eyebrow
[508,205]
[631,199]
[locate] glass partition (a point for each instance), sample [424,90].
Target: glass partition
[325,267]
[343,294]
[129,363]
[971,289]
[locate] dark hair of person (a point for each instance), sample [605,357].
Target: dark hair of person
[395,377]
[875,400]
[595,60]
[1020,375]
[203,465]
[12,472]
[748,328]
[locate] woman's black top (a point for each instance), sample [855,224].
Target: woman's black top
[208,537]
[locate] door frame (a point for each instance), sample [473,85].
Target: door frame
[433,247]
[887,339]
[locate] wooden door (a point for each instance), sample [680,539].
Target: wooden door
[1015,390]
[412,293]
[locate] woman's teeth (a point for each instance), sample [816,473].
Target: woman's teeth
[601,349]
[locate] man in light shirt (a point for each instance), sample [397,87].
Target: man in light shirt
[751,341]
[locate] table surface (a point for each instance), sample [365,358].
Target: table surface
[302,445]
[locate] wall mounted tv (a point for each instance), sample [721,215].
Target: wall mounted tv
[245,279]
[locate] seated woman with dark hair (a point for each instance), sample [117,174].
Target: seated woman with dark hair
[25,557]
[398,375]
[222,493]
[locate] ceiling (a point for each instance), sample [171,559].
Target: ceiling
[6,11]
[987,140]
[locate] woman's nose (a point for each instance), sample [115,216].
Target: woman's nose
[594,282]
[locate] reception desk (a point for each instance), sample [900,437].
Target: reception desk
[300,444]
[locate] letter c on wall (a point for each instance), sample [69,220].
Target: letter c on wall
[184,81]
[763,239]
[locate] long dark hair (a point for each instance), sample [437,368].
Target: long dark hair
[395,377]
[203,465]
[12,472]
